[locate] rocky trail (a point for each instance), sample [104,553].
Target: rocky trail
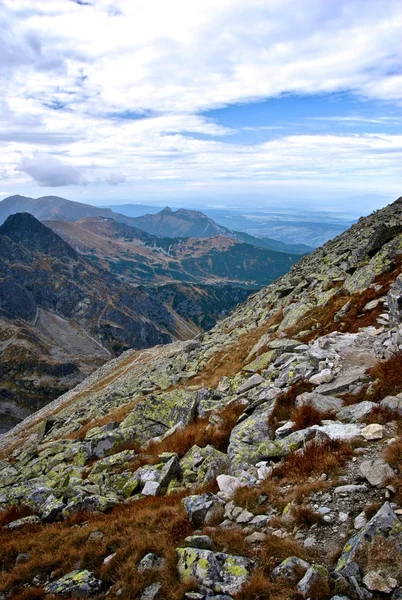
[260,460]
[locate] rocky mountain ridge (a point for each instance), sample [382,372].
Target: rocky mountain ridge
[260,459]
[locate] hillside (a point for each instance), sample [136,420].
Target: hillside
[195,224]
[61,316]
[259,460]
[136,256]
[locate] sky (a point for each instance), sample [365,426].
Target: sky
[222,102]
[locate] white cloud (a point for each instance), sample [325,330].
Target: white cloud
[75,75]
[48,171]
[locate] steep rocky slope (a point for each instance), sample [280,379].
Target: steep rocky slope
[61,316]
[261,459]
[136,256]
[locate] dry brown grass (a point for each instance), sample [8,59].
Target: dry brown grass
[285,403]
[13,513]
[304,516]
[315,459]
[231,360]
[393,455]
[261,587]
[307,416]
[151,525]
[388,378]
[116,415]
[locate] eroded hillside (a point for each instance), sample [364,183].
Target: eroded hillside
[259,460]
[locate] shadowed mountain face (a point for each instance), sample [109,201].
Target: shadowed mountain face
[136,256]
[61,315]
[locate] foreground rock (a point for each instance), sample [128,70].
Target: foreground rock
[220,572]
[81,584]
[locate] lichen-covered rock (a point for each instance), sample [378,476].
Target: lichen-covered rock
[246,437]
[292,569]
[18,523]
[202,465]
[89,503]
[52,509]
[156,414]
[152,592]
[203,509]
[81,584]
[203,542]
[315,578]
[282,447]
[356,412]
[150,561]
[223,573]
[385,524]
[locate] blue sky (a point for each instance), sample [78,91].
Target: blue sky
[210,101]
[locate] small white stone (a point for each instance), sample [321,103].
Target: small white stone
[360,521]
[151,488]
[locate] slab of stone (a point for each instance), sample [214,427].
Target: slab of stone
[319,402]
[342,383]
[81,584]
[356,412]
[377,472]
[339,431]
[251,383]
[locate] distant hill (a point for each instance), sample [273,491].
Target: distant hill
[193,223]
[54,207]
[139,257]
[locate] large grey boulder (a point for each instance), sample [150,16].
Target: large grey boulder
[223,573]
[81,584]
[392,403]
[202,465]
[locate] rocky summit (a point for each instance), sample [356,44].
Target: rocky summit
[259,460]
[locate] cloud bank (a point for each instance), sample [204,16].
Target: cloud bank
[112,94]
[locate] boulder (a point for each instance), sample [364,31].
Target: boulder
[319,402]
[375,582]
[93,503]
[203,509]
[246,437]
[377,472]
[228,484]
[251,383]
[81,584]
[24,521]
[343,432]
[292,569]
[392,403]
[315,578]
[356,412]
[170,408]
[223,573]
[52,509]
[372,432]
[282,447]
[150,561]
[152,592]
[203,542]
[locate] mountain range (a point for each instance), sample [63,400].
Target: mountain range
[167,223]
[260,459]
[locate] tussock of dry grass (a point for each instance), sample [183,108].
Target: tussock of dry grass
[261,587]
[307,416]
[315,459]
[285,403]
[13,513]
